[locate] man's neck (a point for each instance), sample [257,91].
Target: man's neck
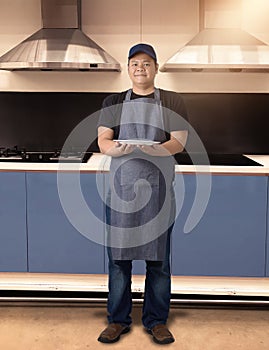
[143,91]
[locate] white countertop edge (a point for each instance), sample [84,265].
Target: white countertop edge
[100,163]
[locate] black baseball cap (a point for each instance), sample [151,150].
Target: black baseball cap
[145,48]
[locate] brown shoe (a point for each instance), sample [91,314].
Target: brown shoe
[113,332]
[161,334]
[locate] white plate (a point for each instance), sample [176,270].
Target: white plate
[138,142]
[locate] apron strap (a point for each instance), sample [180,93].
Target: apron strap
[128,95]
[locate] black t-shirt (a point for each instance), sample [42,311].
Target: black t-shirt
[174,111]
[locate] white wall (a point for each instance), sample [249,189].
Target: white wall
[118,24]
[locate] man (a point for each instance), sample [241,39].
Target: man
[138,129]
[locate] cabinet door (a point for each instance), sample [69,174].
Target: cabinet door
[230,238]
[267,234]
[13,240]
[55,245]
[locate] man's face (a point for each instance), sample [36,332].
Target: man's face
[142,69]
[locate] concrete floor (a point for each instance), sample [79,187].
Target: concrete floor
[76,327]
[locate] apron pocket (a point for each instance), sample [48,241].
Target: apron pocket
[134,170]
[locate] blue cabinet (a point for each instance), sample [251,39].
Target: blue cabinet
[55,242]
[230,238]
[38,235]
[267,235]
[13,238]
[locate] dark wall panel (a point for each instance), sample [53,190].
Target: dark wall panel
[43,120]
[225,122]
[229,122]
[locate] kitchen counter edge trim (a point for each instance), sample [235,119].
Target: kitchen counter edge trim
[99,163]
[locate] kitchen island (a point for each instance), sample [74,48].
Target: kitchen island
[225,253]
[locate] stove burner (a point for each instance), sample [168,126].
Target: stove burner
[22,155]
[9,152]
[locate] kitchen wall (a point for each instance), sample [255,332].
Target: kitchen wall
[116,25]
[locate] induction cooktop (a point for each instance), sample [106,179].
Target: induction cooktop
[214,159]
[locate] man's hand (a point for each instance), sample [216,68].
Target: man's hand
[154,150]
[174,145]
[122,149]
[108,146]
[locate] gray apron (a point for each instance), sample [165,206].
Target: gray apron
[141,202]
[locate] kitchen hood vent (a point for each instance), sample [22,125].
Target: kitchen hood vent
[60,44]
[221,44]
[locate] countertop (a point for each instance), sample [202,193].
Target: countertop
[100,163]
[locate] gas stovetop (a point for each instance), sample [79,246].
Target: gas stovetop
[17,154]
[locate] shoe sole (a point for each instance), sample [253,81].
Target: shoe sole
[109,341]
[165,341]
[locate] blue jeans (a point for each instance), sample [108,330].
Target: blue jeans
[156,296]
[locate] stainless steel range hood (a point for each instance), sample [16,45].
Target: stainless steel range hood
[60,44]
[218,46]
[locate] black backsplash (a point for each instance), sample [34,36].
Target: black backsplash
[43,120]
[226,122]
[230,122]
